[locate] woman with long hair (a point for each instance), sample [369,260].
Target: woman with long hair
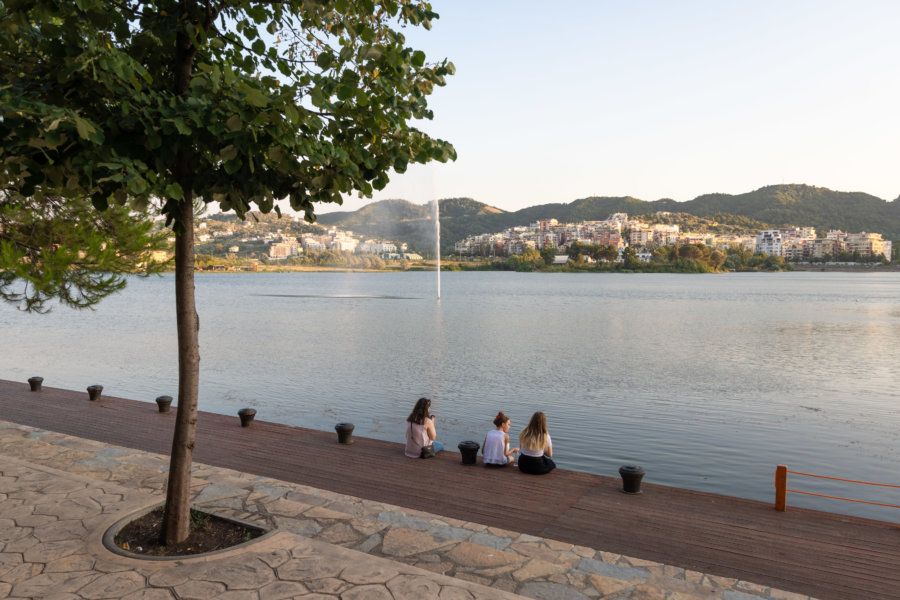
[496,443]
[536,447]
[420,431]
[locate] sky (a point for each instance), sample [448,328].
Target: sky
[557,102]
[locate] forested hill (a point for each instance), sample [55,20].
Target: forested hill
[775,205]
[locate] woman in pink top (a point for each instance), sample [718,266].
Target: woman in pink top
[420,431]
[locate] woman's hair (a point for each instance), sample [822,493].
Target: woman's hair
[534,436]
[500,419]
[419,411]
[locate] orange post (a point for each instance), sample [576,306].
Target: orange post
[780,487]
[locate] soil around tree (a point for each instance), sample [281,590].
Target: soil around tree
[209,533]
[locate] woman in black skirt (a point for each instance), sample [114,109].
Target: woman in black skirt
[536,447]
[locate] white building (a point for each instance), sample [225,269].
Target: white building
[769,241]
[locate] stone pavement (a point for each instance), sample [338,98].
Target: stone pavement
[59,494]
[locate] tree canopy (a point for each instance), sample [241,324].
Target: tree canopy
[65,250]
[237,102]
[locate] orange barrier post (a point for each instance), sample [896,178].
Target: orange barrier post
[780,487]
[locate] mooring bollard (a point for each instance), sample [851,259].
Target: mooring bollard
[35,383]
[164,402]
[345,433]
[469,452]
[631,478]
[246,415]
[94,392]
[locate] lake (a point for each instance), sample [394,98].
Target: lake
[707,381]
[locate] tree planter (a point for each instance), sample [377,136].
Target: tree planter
[35,383]
[165,403]
[631,479]
[345,433]
[246,415]
[94,392]
[469,452]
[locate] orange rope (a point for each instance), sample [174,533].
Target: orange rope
[839,479]
[838,498]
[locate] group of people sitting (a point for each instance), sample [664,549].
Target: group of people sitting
[534,441]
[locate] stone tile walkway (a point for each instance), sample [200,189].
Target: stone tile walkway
[59,493]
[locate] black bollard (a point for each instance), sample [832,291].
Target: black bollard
[94,392]
[631,478]
[164,402]
[469,451]
[35,383]
[345,433]
[246,415]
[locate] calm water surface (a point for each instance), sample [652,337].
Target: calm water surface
[708,382]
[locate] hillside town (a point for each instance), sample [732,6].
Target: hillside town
[281,241]
[288,238]
[620,231]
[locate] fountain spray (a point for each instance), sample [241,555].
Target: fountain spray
[436,211]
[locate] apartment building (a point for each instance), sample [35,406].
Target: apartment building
[867,244]
[640,236]
[825,248]
[769,242]
[284,249]
[796,249]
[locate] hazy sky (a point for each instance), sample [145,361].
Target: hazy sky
[555,102]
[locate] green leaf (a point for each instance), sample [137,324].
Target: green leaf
[293,116]
[137,185]
[324,60]
[256,98]
[229,152]
[259,46]
[84,128]
[234,123]
[174,191]
[181,126]
[233,166]
[418,58]
[346,92]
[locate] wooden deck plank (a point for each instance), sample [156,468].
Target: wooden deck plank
[821,554]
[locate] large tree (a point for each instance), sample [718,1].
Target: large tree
[238,102]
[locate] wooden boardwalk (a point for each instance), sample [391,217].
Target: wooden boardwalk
[825,555]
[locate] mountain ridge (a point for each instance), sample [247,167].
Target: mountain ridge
[780,205]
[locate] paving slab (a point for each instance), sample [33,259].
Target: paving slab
[59,494]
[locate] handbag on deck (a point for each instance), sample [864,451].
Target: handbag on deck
[427,451]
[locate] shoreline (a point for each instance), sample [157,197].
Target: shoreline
[466,267]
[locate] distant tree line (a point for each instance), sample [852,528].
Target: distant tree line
[681,258]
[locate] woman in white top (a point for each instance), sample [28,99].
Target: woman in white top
[420,431]
[536,447]
[496,444]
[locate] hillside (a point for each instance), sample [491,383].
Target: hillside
[775,205]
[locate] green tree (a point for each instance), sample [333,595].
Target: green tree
[660,256]
[716,260]
[548,254]
[238,102]
[691,251]
[608,252]
[630,259]
[64,250]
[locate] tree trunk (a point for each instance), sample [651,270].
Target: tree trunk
[177,522]
[178,495]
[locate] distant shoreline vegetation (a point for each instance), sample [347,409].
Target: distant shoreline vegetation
[585,258]
[580,258]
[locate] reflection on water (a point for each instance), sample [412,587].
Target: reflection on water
[708,382]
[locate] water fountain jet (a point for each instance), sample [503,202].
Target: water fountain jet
[436,211]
